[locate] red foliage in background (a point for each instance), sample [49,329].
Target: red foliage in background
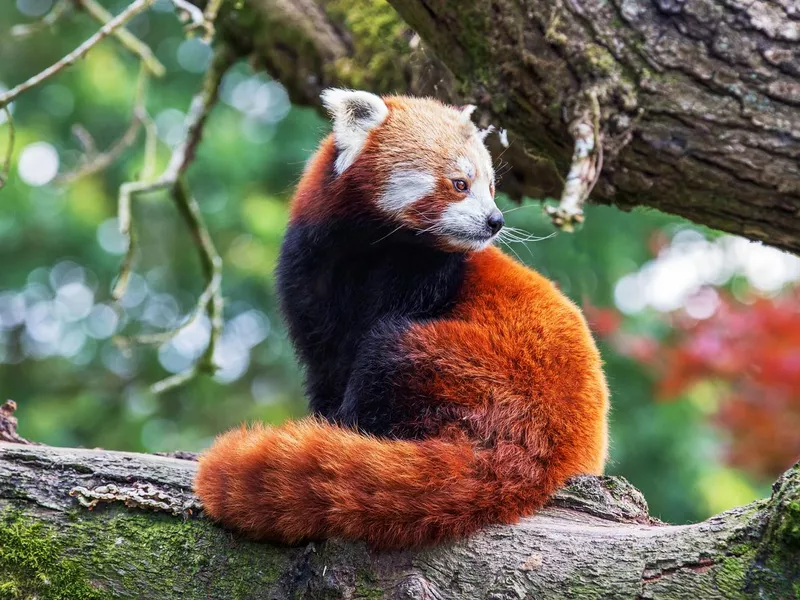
[753,350]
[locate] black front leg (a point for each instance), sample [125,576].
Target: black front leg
[378,399]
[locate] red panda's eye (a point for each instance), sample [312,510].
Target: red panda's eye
[460,185]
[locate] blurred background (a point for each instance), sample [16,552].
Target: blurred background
[700,331]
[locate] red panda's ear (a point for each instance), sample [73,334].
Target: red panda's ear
[483,133]
[354,115]
[466,112]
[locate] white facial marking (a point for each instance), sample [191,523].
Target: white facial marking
[405,186]
[465,166]
[354,115]
[464,223]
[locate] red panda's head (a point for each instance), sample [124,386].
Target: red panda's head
[423,164]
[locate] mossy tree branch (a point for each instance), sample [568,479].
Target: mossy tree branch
[699,101]
[145,538]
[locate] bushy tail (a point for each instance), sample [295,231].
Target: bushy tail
[312,480]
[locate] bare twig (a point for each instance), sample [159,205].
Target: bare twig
[85,139]
[9,149]
[59,9]
[150,144]
[199,20]
[126,38]
[173,178]
[92,161]
[210,17]
[587,162]
[98,162]
[210,300]
[126,192]
[70,59]
[189,12]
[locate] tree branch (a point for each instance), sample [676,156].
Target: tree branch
[145,537]
[126,38]
[142,537]
[6,164]
[174,179]
[70,59]
[700,101]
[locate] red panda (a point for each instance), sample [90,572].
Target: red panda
[451,387]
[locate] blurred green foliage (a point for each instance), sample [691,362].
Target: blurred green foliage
[60,256]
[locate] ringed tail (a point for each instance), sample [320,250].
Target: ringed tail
[311,480]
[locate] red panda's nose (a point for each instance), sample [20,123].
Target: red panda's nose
[495,221]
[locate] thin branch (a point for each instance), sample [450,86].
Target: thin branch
[98,162]
[94,162]
[199,110]
[587,162]
[126,38]
[199,20]
[79,52]
[210,14]
[190,12]
[126,192]
[59,9]
[150,144]
[173,178]
[85,139]
[210,301]
[9,149]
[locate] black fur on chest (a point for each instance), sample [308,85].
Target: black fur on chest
[338,281]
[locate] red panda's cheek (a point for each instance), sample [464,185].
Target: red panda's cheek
[422,214]
[404,188]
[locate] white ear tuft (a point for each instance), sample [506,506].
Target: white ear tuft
[482,133]
[466,112]
[354,115]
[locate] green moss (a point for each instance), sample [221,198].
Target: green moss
[473,19]
[731,574]
[380,39]
[600,59]
[579,588]
[789,529]
[121,553]
[33,564]
[177,551]
[366,586]
[777,565]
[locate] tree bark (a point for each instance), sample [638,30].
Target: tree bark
[699,101]
[145,537]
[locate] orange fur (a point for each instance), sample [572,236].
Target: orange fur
[513,400]
[311,480]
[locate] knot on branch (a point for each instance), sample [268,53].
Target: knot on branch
[416,587]
[612,498]
[139,495]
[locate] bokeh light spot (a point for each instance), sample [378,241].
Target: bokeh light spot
[34,8]
[194,55]
[38,164]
